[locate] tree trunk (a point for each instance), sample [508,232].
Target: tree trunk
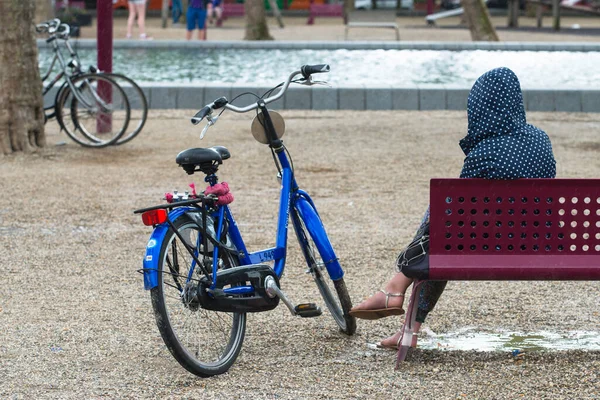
[478,20]
[44,10]
[256,21]
[348,8]
[164,13]
[513,13]
[21,102]
[556,15]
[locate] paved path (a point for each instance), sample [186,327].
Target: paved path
[411,29]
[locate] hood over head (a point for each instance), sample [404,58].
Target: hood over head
[494,108]
[500,144]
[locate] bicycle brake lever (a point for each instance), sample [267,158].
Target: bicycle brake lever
[211,122]
[204,131]
[322,83]
[309,82]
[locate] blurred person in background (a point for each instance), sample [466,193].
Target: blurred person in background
[196,19]
[137,7]
[177,11]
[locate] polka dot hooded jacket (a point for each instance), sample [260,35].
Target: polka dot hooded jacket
[500,144]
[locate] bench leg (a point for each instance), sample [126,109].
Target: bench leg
[408,329]
[397,34]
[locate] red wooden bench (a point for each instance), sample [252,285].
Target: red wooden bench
[324,10]
[525,229]
[231,10]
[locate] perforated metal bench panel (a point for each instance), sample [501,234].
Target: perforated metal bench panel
[526,229]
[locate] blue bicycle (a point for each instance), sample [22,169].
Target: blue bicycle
[203,280]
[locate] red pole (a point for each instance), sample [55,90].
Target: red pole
[430,5]
[104,40]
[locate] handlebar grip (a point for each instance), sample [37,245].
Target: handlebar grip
[220,103]
[307,70]
[196,119]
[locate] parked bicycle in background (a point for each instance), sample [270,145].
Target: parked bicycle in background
[94,108]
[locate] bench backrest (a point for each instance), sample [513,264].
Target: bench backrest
[530,229]
[328,10]
[372,16]
[233,9]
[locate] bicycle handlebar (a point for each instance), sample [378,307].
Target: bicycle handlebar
[48,26]
[305,71]
[54,28]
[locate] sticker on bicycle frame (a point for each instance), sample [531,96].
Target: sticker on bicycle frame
[149,258]
[151,243]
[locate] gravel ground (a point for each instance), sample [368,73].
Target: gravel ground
[75,321]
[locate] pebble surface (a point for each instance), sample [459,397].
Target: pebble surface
[76,323]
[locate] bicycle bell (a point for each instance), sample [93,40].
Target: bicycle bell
[258,129]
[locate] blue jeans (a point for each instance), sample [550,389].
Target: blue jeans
[177,10]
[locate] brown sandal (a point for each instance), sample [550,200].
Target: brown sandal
[380,312]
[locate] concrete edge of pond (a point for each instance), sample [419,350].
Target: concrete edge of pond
[361,97]
[336,45]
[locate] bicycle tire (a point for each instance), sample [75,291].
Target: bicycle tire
[84,110]
[137,101]
[339,310]
[171,330]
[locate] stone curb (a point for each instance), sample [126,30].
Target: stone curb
[335,45]
[409,97]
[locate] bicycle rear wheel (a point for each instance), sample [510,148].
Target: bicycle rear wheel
[334,293]
[97,115]
[204,342]
[137,102]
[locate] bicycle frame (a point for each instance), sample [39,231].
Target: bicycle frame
[76,64]
[291,198]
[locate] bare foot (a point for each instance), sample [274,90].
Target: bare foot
[392,342]
[377,301]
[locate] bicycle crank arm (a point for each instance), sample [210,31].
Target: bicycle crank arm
[302,310]
[274,291]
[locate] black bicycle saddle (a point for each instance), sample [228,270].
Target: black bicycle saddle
[203,155]
[204,158]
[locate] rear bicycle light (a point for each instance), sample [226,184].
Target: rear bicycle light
[154,217]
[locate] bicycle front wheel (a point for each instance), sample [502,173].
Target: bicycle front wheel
[96,113]
[334,293]
[204,342]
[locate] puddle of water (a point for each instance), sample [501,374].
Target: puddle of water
[502,340]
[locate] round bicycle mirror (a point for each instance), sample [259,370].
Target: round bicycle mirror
[258,129]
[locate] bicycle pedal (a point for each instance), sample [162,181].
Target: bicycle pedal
[308,310]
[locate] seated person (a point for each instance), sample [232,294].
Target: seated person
[214,8]
[500,144]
